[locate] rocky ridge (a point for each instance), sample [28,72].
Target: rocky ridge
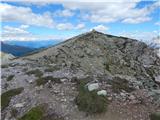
[124,70]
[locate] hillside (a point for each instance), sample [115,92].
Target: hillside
[101,54]
[6,57]
[15,50]
[84,76]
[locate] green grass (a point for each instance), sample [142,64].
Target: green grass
[40,113]
[36,113]
[36,72]
[10,77]
[119,84]
[155,116]
[44,80]
[90,102]
[51,69]
[6,97]
[4,66]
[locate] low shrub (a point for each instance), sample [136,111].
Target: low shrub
[119,84]
[44,80]
[6,97]
[155,116]
[49,70]
[36,72]
[10,77]
[90,102]
[4,66]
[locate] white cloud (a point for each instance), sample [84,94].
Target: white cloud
[80,26]
[157,23]
[143,36]
[24,15]
[136,20]
[64,13]
[101,11]
[69,26]
[21,34]
[64,26]
[105,12]
[101,28]
[14,30]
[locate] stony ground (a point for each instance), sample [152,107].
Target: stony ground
[136,105]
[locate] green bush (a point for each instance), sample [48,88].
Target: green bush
[10,77]
[119,84]
[44,80]
[6,97]
[90,102]
[36,72]
[155,116]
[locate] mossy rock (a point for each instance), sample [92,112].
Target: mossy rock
[90,102]
[6,97]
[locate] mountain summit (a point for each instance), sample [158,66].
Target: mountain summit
[99,54]
[87,74]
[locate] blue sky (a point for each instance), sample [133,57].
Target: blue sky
[59,20]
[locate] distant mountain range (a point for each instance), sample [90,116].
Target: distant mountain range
[34,44]
[15,49]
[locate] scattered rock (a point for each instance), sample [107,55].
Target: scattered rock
[63,80]
[102,92]
[19,105]
[30,81]
[157,79]
[132,97]
[93,86]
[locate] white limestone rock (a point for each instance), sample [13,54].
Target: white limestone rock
[93,86]
[19,105]
[102,92]
[157,78]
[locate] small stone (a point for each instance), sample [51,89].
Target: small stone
[56,92]
[63,80]
[132,97]
[102,92]
[63,100]
[157,79]
[30,81]
[122,94]
[19,105]
[110,98]
[93,86]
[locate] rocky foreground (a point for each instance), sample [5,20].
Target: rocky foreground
[93,76]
